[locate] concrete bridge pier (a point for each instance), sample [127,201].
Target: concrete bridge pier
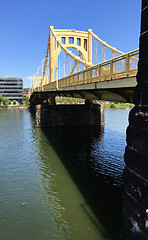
[135,196]
[52,100]
[47,115]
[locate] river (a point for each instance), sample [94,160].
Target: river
[61,183]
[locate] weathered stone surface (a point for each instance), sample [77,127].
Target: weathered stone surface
[32,109]
[137,186]
[144,19]
[144,93]
[135,197]
[129,229]
[137,162]
[140,96]
[142,74]
[144,4]
[69,115]
[136,214]
[137,94]
[138,116]
[38,116]
[143,43]
[137,138]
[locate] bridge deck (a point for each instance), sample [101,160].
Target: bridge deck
[112,80]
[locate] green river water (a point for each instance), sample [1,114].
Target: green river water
[60,183]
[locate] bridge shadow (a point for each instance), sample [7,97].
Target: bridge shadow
[75,147]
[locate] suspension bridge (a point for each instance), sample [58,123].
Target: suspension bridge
[79,64]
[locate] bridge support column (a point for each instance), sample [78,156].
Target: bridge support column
[88,102]
[135,196]
[52,100]
[32,109]
[69,115]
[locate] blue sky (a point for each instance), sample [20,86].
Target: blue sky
[24,27]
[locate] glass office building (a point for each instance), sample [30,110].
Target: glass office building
[12,88]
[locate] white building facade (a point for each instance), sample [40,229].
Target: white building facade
[12,88]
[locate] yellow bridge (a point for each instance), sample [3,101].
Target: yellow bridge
[79,64]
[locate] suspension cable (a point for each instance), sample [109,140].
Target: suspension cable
[67,63]
[96,53]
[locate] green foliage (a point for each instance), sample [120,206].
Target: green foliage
[5,101]
[69,100]
[14,102]
[25,98]
[1,98]
[9,101]
[123,104]
[112,105]
[25,103]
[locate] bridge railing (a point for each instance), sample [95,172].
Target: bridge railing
[116,68]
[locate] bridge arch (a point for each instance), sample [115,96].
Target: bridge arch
[78,40]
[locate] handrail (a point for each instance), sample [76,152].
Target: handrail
[100,72]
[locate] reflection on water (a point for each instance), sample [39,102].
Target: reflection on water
[73,209]
[60,183]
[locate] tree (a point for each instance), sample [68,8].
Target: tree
[25,98]
[5,101]
[1,98]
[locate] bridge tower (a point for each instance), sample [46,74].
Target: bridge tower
[70,51]
[78,40]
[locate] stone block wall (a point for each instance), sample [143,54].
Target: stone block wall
[135,196]
[69,115]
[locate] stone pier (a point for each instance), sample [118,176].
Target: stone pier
[69,115]
[135,196]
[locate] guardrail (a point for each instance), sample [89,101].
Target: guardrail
[115,68]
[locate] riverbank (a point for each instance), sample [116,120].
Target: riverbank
[106,105]
[13,107]
[118,105]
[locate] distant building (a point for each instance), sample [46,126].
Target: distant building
[12,88]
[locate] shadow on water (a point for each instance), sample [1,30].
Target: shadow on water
[101,191]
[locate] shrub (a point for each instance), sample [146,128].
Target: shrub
[112,105]
[25,103]
[25,98]
[9,101]
[14,102]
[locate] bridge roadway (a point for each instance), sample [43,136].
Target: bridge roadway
[101,82]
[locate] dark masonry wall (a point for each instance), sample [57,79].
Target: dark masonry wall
[69,115]
[135,196]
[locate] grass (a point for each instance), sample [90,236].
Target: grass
[118,105]
[113,105]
